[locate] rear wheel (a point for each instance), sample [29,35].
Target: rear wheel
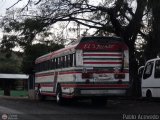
[59,98]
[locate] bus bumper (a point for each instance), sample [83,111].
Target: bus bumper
[93,92]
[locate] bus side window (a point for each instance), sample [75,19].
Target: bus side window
[47,65]
[42,66]
[36,67]
[65,61]
[56,62]
[74,59]
[52,64]
[60,62]
[68,61]
[148,70]
[75,63]
[157,69]
[39,67]
[71,60]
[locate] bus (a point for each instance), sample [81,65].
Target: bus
[94,68]
[151,79]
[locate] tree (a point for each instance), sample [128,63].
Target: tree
[11,63]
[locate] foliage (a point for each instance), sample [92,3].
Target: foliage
[34,51]
[10,63]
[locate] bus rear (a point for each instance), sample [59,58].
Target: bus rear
[102,68]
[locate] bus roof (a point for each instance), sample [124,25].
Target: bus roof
[100,39]
[55,53]
[73,47]
[153,59]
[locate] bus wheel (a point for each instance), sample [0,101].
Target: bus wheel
[149,94]
[59,98]
[99,101]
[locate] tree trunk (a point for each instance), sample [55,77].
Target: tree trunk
[135,89]
[156,25]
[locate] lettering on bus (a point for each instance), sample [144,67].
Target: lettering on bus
[97,46]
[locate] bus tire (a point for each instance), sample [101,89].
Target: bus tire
[99,101]
[59,98]
[148,94]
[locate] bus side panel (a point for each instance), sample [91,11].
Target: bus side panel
[67,77]
[45,81]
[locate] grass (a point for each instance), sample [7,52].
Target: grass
[16,93]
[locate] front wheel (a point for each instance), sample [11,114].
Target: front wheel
[149,94]
[40,96]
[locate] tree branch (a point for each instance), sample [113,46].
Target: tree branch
[37,2]
[13,4]
[26,5]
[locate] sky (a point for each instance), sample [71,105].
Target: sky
[4,4]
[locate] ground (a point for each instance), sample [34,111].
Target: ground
[116,109]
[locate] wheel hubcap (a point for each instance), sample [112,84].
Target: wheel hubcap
[57,98]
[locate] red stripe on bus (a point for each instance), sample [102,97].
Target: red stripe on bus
[96,86]
[49,94]
[61,73]
[102,54]
[67,96]
[44,74]
[102,62]
[47,85]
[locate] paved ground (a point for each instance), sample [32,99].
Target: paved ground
[24,109]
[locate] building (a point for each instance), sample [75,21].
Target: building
[13,81]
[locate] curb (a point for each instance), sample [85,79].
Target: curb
[13,97]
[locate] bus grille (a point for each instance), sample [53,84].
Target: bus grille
[102,59]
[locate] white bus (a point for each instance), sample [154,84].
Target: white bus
[151,79]
[95,68]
